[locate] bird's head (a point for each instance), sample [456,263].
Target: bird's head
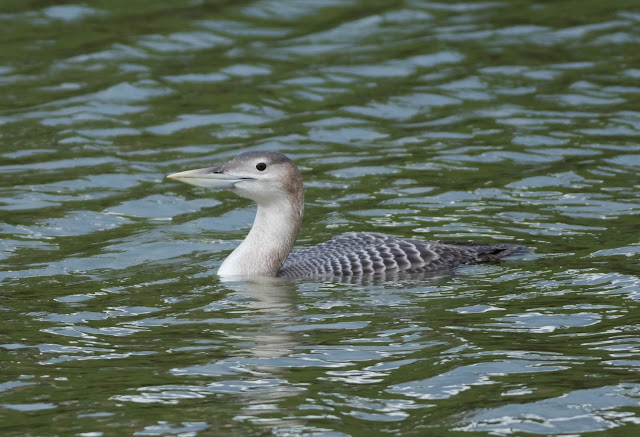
[263,177]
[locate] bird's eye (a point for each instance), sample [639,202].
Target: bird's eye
[261,166]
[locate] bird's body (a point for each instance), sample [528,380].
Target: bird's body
[273,181]
[372,254]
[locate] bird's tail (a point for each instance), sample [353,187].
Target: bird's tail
[486,252]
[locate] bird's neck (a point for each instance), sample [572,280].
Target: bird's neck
[269,242]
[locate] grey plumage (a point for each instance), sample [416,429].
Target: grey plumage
[371,254]
[273,181]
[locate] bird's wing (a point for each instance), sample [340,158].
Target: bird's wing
[368,254]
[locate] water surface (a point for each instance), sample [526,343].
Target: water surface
[491,121]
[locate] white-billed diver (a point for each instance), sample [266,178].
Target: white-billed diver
[274,182]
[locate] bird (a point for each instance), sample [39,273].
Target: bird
[273,181]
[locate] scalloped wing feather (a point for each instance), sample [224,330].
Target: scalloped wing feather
[370,254]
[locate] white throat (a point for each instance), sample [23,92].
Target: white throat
[269,241]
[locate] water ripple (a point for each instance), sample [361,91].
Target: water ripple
[484,120]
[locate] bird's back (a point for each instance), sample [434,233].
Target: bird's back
[370,254]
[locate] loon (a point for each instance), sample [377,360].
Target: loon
[274,182]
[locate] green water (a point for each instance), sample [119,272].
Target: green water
[491,121]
